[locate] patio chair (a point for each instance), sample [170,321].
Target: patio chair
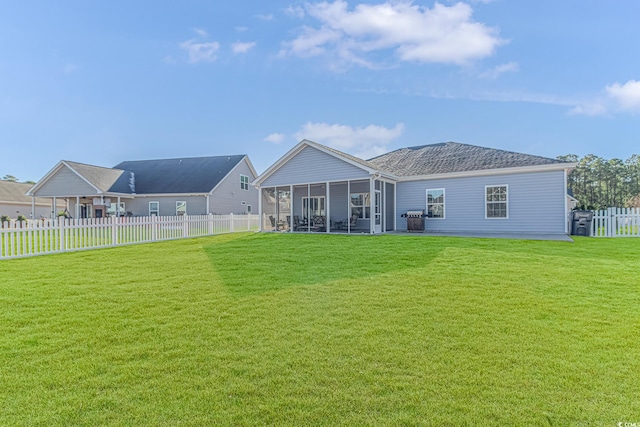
[353,221]
[319,223]
[296,222]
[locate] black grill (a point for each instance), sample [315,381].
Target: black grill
[415,220]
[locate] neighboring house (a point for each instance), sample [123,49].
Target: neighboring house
[166,187]
[460,187]
[14,202]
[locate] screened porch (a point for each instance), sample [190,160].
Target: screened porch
[354,206]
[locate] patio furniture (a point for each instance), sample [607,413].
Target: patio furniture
[319,223]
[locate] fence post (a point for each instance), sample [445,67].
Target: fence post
[248,222]
[154,228]
[185,226]
[114,230]
[231,221]
[210,223]
[61,243]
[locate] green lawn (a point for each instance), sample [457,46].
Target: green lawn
[272,329]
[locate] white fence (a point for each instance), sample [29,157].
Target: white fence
[616,222]
[38,237]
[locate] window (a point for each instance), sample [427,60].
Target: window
[154,208]
[181,208]
[496,201]
[315,206]
[244,182]
[113,209]
[435,203]
[361,205]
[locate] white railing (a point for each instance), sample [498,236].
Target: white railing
[38,237]
[616,222]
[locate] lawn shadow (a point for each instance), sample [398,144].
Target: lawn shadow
[266,262]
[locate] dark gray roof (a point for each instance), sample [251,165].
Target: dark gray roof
[183,175]
[447,157]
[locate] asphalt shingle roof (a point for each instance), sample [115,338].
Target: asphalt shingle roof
[182,175]
[15,192]
[447,157]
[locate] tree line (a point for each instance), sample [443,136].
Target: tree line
[599,183]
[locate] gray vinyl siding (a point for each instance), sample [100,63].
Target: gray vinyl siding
[311,165]
[535,203]
[228,196]
[196,205]
[13,210]
[65,183]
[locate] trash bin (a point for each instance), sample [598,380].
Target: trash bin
[581,223]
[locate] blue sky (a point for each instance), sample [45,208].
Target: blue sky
[105,81]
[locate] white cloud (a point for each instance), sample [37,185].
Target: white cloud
[267,17]
[295,11]
[626,96]
[202,33]
[276,138]
[201,51]
[617,98]
[242,29]
[497,71]
[442,34]
[240,47]
[364,142]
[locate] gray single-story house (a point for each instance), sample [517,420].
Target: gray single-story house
[165,187]
[14,202]
[460,188]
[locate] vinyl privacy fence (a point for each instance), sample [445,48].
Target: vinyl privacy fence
[616,222]
[38,237]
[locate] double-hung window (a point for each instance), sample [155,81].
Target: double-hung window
[181,208]
[244,182]
[154,208]
[496,201]
[435,203]
[361,205]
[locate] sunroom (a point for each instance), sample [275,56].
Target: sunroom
[315,189]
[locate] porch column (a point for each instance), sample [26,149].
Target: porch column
[372,188]
[395,207]
[349,207]
[327,219]
[118,207]
[33,207]
[54,204]
[260,207]
[291,207]
[77,207]
[308,210]
[383,202]
[207,204]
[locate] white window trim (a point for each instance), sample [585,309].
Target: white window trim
[506,186]
[243,183]
[444,202]
[364,206]
[185,206]
[114,210]
[324,204]
[157,210]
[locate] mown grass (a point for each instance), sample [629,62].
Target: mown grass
[270,329]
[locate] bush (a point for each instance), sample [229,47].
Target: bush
[21,218]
